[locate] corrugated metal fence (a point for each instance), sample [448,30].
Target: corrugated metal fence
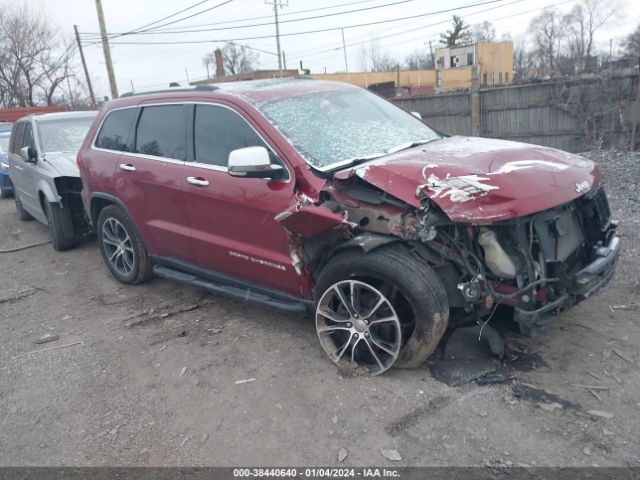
[571,115]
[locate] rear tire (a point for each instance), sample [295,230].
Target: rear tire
[22,213]
[122,247]
[61,226]
[414,292]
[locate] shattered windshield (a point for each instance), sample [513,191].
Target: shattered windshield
[339,127]
[63,135]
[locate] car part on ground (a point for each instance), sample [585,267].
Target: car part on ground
[371,213]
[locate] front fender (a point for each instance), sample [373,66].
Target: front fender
[47,187]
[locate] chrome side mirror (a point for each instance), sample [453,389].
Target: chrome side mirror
[253,162]
[28,154]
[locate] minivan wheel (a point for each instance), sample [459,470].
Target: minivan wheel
[381,309]
[22,213]
[122,247]
[61,226]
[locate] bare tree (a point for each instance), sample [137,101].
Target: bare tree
[631,43]
[34,59]
[238,59]
[582,23]
[460,33]
[522,59]
[418,60]
[207,60]
[373,58]
[546,29]
[484,32]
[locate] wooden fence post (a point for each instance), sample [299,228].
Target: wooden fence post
[474,100]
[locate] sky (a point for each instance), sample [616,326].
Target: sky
[150,65]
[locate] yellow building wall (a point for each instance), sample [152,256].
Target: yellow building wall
[495,60]
[364,79]
[455,78]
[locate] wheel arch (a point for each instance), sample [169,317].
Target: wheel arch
[101,200]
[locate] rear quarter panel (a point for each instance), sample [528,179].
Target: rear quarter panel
[96,165]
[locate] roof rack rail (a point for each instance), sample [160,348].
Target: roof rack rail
[197,88]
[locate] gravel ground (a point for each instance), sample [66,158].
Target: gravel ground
[163,374]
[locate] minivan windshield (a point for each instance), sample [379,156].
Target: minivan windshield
[63,135]
[342,127]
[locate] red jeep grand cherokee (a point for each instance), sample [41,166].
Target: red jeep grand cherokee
[311,195]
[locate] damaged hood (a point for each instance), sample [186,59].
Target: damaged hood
[63,162]
[476,179]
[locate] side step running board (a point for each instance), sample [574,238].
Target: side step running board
[230,290]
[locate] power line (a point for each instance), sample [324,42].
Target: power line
[336,49]
[160,19]
[169,32]
[487,2]
[140,29]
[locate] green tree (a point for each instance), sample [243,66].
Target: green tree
[460,34]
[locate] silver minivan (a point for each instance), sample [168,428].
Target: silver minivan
[42,164]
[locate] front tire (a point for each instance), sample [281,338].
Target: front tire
[382,309]
[122,247]
[61,226]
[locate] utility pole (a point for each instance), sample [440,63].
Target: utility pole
[276,4]
[284,61]
[433,60]
[107,51]
[86,70]
[344,49]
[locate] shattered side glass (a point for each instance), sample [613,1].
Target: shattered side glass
[331,128]
[63,135]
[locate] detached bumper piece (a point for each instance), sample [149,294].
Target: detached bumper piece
[584,284]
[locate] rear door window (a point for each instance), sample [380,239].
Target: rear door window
[114,133]
[162,132]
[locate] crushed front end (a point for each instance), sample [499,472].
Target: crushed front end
[540,264]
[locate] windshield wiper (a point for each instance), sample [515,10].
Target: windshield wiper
[408,145]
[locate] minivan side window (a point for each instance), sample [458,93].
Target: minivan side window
[218,130]
[162,132]
[27,138]
[16,137]
[114,133]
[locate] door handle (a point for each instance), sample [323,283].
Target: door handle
[127,167]
[201,182]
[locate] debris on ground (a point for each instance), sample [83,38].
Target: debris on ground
[13,296]
[46,338]
[57,347]
[392,455]
[600,414]
[246,380]
[342,454]
[204,437]
[550,407]
[182,372]
[540,396]
[25,247]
